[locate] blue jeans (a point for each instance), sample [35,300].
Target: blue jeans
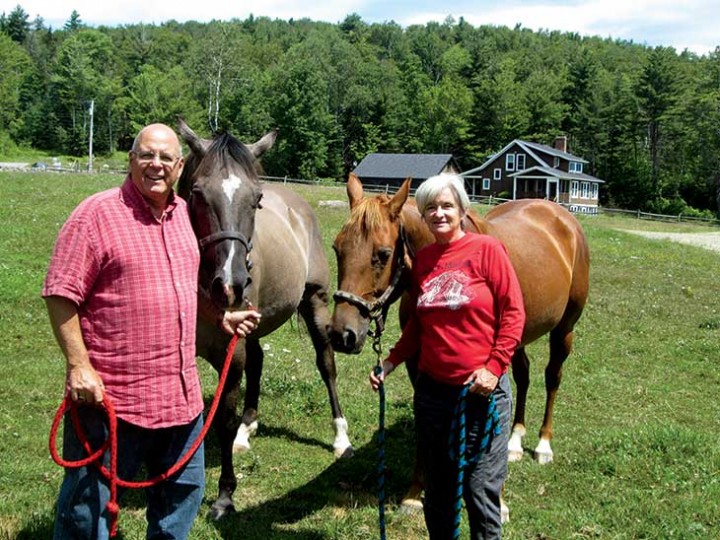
[171,505]
[434,405]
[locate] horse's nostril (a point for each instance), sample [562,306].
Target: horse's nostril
[349,338]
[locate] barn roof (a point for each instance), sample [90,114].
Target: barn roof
[418,166]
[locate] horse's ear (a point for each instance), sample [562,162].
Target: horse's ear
[258,148]
[396,203]
[197,145]
[354,190]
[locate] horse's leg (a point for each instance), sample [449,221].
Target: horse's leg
[412,501]
[253,371]
[521,376]
[504,509]
[314,311]
[226,425]
[560,347]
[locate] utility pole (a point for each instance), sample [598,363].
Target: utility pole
[90,138]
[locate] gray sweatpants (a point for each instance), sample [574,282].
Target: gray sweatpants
[434,405]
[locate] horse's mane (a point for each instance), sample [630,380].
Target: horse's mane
[225,153]
[366,216]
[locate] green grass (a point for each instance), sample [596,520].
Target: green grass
[636,423]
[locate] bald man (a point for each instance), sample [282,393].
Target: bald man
[121,293]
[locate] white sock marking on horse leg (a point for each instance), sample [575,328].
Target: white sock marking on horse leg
[543,452]
[242,439]
[515,447]
[504,512]
[342,441]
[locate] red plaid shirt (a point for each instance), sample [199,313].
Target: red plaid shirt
[134,280]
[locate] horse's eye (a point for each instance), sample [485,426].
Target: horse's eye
[258,203]
[382,256]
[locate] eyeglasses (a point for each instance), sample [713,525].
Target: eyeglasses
[166,160]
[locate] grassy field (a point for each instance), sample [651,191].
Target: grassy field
[636,425]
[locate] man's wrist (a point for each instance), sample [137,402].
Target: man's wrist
[219,319]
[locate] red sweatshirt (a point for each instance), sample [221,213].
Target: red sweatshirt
[469,310]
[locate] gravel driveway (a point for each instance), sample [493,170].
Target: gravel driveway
[710,240]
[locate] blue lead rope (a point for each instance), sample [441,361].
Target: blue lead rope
[381,456]
[457,439]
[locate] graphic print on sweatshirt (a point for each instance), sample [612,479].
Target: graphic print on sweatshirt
[449,290]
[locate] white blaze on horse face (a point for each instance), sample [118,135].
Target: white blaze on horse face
[230,185]
[227,267]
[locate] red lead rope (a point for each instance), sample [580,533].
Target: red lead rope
[111,443]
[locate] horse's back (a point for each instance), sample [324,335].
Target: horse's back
[287,255]
[550,255]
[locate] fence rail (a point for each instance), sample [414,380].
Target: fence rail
[478,199]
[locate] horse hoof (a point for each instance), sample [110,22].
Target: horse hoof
[240,448]
[504,514]
[543,452]
[543,458]
[410,506]
[344,453]
[241,443]
[515,455]
[220,509]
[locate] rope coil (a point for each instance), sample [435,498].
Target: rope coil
[95,457]
[458,441]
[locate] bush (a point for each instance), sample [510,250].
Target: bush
[7,145]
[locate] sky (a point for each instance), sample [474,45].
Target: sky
[683,24]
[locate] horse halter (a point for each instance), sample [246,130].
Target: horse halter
[219,236]
[377,309]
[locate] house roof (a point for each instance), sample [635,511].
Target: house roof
[402,165]
[549,171]
[531,148]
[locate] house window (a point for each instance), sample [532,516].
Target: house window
[520,162]
[497,173]
[575,167]
[556,162]
[510,162]
[574,189]
[594,191]
[486,183]
[585,190]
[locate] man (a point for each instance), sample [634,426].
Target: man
[121,293]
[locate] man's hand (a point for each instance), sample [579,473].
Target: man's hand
[241,322]
[85,384]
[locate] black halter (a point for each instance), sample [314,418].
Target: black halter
[377,309]
[225,235]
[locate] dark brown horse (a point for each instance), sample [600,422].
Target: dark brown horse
[258,244]
[547,248]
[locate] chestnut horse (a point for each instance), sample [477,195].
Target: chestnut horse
[259,244]
[547,248]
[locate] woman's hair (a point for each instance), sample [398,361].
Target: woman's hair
[432,187]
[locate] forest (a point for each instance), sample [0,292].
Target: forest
[646,118]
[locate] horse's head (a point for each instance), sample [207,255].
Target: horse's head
[220,182]
[370,251]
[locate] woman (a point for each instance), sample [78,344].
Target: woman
[467,322]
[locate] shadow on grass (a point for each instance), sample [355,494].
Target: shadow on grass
[346,483]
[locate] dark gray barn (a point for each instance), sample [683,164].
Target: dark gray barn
[390,170]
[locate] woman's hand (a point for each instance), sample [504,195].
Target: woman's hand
[376,379]
[483,382]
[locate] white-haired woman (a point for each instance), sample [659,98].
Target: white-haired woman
[468,320]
